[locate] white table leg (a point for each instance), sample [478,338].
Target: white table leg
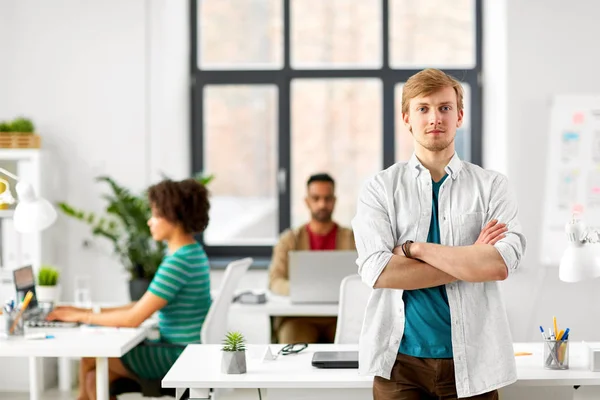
[179,393]
[199,394]
[102,378]
[586,393]
[65,374]
[34,379]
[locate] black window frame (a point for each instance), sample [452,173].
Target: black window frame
[282,78]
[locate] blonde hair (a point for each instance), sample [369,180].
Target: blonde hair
[428,81]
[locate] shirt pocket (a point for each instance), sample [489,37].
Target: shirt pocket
[470,226]
[407,225]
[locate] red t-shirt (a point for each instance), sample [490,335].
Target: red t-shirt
[322,242]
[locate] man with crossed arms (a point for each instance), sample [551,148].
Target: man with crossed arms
[430,243]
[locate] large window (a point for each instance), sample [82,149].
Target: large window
[283,89]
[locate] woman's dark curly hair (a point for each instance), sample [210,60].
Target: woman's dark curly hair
[183,202]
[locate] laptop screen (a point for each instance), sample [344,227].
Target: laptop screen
[25,282]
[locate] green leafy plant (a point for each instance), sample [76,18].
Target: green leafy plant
[125,225]
[48,276]
[234,341]
[22,125]
[5,126]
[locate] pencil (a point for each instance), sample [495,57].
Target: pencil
[555,327]
[26,301]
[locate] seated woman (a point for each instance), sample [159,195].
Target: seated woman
[179,291]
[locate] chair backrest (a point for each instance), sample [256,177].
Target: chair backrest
[354,295]
[215,324]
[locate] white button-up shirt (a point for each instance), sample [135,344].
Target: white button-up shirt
[395,206]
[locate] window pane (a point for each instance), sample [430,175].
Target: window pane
[240,149]
[336,128]
[404,139]
[336,33]
[432,33]
[237,34]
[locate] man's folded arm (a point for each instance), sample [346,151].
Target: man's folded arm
[475,263]
[378,266]
[482,262]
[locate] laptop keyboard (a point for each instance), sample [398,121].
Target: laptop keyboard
[37,319]
[41,323]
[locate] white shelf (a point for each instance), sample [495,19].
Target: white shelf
[19,154]
[7,213]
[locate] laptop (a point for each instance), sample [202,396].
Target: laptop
[315,276]
[335,359]
[34,316]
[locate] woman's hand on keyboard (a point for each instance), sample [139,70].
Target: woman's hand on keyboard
[67,314]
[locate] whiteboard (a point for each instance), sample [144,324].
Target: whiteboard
[572,171]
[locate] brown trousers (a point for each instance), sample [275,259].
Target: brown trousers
[415,378]
[306,330]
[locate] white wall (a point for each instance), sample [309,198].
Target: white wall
[105,82]
[549,50]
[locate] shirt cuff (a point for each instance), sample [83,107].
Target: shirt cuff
[373,266]
[508,255]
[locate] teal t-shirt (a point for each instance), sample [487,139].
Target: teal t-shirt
[183,280]
[427,327]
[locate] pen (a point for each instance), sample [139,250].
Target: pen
[542,331]
[566,335]
[37,336]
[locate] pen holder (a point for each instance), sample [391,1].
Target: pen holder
[556,354]
[9,319]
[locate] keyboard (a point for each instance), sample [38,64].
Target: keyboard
[43,325]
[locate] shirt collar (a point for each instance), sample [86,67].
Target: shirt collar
[452,169]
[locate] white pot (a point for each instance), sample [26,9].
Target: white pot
[47,294]
[233,362]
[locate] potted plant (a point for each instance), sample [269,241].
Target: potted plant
[234,354]
[19,133]
[125,224]
[47,289]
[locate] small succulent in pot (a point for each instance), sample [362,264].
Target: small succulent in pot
[234,354]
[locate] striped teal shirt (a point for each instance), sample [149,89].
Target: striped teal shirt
[183,280]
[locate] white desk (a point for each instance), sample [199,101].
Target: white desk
[65,363]
[292,377]
[281,306]
[99,343]
[255,319]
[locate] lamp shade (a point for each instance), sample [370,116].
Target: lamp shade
[580,262]
[32,213]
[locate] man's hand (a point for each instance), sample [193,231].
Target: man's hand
[491,233]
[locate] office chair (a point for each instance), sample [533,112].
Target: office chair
[354,295]
[213,330]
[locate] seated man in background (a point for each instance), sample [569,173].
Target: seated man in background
[179,291]
[321,233]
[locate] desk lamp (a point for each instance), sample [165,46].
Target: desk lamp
[581,259]
[32,213]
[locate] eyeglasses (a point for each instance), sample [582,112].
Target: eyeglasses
[293,348]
